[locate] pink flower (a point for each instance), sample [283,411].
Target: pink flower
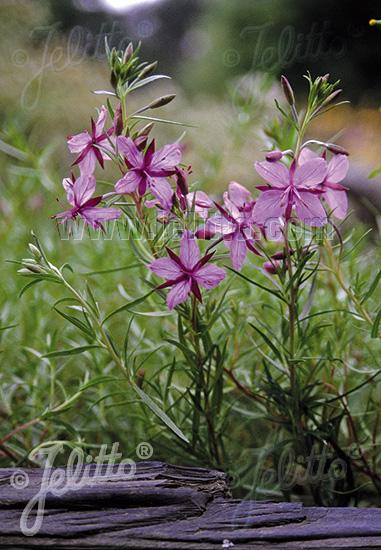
[295,187]
[334,194]
[88,146]
[148,170]
[201,202]
[79,194]
[187,273]
[235,223]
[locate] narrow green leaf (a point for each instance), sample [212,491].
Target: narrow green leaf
[111,270]
[164,121]
[128,306]
[372,287]
[140,83]
[28,286]
[376,324]
[8,327]
[104,92]
[159,413]
[152,313]
[76,322]
[72,351]
[188,354]
[255,283]
[268,342]
[375,173]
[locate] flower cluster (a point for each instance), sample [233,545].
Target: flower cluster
[300,185]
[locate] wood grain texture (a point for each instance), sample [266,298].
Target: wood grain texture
[173,507]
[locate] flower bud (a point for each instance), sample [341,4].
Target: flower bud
[331,97]
[129,51]
[147,70]
[204,233]
[273,267]
[34,250]
[336,149]
[274,156]
[141,142]
[161,101]
[113,79]
[30,267]
[181,181]
[140,377]
[287,90]
[118,121]
[281,255]
[146,129]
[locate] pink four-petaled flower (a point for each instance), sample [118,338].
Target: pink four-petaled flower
[333,192]
[80,195]
[148,170]
[236,223]
[89,145]
[188,272]
[295,187]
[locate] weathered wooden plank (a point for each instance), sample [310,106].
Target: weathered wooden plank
[152,481]
[165,506]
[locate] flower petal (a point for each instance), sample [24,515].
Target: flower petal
[269,206]
[166,268]
[238,194]
[161,189]
[219,224]
[311,173]
[67,184]
[83,189]
[128,149]
[95,216]
[166,158]
[87,164]
[275,173]
[209,276]
[64,216]
[78,142]
[189,251]
[307,154]
[337,201]
[179,293]
[100,123]
[268,212]
[310,210]
[128,183]
[107,147]
[337,168]
[238,250]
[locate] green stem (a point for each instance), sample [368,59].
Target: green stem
[103,338]
[202,405]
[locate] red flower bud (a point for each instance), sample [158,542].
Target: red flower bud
[272,267]
[336,149]
[287,90]
[274,156]
[204,233]
[118,121]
